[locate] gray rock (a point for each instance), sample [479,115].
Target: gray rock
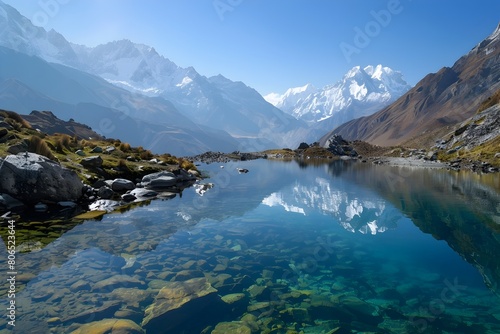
[6,125]
[185,176]
[31,178]
[122,185]
[432,155]
[128,197]
[3,132]
[93,161]
[18,148]
[80,153]
[8,202]
[159,180]
[339,146]
[105,192]
[110,149]
[97,149]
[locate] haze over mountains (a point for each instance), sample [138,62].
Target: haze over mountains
[230,112]
[127,90]
[184,112]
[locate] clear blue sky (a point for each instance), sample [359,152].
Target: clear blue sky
[274,45]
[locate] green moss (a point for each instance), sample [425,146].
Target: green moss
[91,215]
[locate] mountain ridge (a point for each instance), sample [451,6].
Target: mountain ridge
[440,99]
[138,68]
[371,86]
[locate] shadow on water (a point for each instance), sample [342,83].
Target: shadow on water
[461,208]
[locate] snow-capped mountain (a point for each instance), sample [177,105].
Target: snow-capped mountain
[438,102]
[19,34]
[214,102]
[361,92]
[134,66]
[292,97]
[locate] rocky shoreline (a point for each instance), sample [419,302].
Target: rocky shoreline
[31,183]
[418,158]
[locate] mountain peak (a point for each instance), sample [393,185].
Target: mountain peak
[496,33]
[361,91]
[438,101]
[298,90]
[487,44]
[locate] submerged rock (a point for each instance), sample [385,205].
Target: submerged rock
[178,302]
[112,326]
[117,281]
[234,327]
[233,298]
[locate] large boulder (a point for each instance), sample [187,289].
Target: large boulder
[32,178]
[178,302]
[159,181]
[339,146]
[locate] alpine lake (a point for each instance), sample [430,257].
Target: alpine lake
[289,247]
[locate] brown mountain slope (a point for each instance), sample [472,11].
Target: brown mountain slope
[439,100]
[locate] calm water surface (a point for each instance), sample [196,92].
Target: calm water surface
[287,248]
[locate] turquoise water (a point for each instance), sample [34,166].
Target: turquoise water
[287,248]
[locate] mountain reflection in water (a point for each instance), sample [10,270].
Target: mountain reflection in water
[297,247]
[355,208]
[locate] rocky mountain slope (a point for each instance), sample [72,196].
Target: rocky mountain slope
[475,142]
[440,100]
